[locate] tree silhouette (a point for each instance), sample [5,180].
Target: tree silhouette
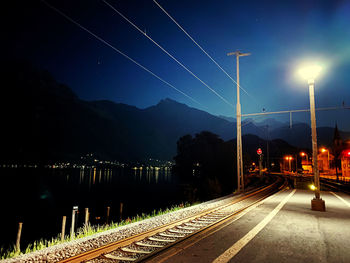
[205,164]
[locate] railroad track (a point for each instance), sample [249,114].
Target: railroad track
[142,246]
[335,186]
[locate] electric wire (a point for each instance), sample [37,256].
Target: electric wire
[213,60]
[166,52]
[117,50]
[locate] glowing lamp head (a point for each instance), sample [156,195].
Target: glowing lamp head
[310,72]
[323,150]
[302,154]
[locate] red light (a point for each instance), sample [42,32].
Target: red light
[259,151]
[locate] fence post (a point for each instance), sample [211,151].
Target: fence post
[107,217]
[86,217]
[18,241]
[63,230]
[121,211]
[75,208]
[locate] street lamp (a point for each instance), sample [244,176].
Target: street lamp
[310,73]
[323,150]
[304,155]
[289,159]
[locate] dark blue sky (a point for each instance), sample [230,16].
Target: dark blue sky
[279,34]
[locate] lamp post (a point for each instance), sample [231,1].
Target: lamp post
[290,163]
[306,156]
[303,154]
[323,150]
[289,159]
[310,73]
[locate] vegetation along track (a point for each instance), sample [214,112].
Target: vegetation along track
[139,247]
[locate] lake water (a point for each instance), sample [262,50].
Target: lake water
[39,197]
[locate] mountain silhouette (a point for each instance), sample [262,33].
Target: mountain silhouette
[45,121]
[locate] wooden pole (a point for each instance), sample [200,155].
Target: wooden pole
[73,223]
[18,241]
[63,230]
[86,217]
[121,211]
[107,218]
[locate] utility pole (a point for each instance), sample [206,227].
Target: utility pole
[267,149]
[240,180]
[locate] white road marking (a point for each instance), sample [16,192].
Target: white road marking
[232,251]
[342,199]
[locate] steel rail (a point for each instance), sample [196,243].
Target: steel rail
[334,185]
[105,249]
[209,227]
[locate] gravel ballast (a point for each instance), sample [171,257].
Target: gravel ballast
[75,247]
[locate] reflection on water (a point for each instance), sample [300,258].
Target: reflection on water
[148,175]
[44,195]
[152,175]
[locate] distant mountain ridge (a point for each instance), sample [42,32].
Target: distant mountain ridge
[45,121]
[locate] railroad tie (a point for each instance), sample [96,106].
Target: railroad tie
[110,256]
[171,235]
[125,249]
[180,231]
[148,245]
[161,240]
[195,224]
[188,228]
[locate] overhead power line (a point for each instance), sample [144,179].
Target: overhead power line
[206,53]
[290,111]
[117,50]
[166,52]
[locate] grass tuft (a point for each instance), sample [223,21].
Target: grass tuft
[84,231]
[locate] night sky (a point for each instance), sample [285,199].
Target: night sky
[279,35]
